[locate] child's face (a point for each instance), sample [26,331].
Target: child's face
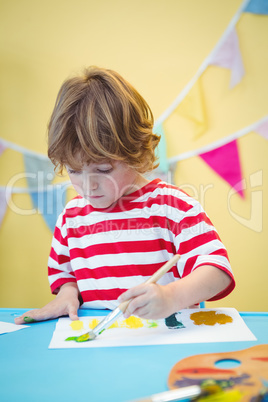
[102,184]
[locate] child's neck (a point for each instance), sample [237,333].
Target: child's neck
[139,182]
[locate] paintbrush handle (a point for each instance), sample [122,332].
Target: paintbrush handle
[115,314]
[163,270]
[174,395]
[154,278]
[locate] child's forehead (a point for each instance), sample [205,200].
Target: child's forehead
[104,162]
[85,164]
[80,157]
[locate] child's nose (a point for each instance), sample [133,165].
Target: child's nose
[90,182]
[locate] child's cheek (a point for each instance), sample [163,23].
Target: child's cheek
[78,187]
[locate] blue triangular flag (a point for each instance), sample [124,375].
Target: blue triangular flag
[50,203]
[39,171]
[162,148]
[257,7]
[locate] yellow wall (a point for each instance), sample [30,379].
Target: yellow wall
[158,45]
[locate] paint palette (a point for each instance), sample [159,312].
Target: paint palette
[247,372]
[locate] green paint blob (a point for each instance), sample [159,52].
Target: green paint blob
[172,322]
[71,338]
[83,338]
[28,320]
[152,324]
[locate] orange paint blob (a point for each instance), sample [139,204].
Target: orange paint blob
[210,318]
[204,371]
[262,359]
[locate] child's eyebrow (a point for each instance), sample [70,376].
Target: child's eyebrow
[104,163]
[77,169]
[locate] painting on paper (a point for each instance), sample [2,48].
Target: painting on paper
[187,326]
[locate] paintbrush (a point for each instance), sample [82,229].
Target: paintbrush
[116,313]
[185,393]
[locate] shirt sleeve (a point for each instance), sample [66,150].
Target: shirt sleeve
[59,265]
[198,243]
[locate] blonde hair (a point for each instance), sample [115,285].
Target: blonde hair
[100,116]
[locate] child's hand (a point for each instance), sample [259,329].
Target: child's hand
[54,309]
[65,303]
[151,301]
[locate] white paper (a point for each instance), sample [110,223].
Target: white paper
[155,332]
[6,327]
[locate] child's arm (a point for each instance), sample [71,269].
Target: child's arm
[65,303]
[156,301]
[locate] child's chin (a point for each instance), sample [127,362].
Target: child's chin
[101,204]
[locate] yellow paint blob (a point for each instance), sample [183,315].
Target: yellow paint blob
[210,318]
[132,322]
[114,325]
[77,325]
[234,395]
[93,323]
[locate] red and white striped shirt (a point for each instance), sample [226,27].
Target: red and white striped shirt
[107,251]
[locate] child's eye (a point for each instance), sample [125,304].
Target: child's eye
[71,171]
[105,171]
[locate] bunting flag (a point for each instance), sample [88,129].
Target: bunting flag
[217,155]
[225,161]
[257,7]
[22,150]
[40,172]
[4,199]
[2,148]
[236,67]
[193,108]
[222,155]
[262,129]
[228,55]
[50,203]
[162,149]
[260,124]
[48,199]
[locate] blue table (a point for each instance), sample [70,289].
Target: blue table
[31,372]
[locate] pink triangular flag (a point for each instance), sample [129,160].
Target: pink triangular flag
[225,161]
[262,129]
[228,55]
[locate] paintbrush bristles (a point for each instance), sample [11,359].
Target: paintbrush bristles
[177,394]
[211,389]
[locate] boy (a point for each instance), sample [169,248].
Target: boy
[122,227]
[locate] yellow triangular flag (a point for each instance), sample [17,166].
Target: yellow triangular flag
[193,108]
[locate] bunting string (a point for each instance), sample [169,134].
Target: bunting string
[27,190]
[208,61]
[261,126]
[190,104]
[18,148]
